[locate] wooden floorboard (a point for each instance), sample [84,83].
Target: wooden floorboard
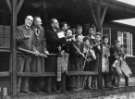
[83,93]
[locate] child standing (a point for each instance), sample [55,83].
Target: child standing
[89,61]
[105,62]
[119,65]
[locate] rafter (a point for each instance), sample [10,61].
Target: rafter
[94,15]
[9,5]
[104,14]
[19,5]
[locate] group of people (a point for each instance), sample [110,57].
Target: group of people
[81,52]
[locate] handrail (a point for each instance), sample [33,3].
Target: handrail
[35,74]
[2,49]
[4,74]
[53,74]
[83,73]
[31,52]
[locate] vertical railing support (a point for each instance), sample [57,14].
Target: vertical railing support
[13,48]
[98,14]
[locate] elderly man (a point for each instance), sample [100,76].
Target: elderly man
[39,46]
[24,36]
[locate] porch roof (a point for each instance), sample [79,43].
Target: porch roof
[72,11]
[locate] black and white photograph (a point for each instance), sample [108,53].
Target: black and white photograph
[67,49]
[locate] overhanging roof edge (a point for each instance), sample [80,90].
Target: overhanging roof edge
[115,4]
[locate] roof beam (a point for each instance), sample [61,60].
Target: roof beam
[98,13]
[19,5]
[9,5]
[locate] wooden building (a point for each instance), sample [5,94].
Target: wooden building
[99,12]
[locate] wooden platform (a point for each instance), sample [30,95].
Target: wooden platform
[84,94]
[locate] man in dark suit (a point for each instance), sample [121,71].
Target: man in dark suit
[55,39]
[54,36]
[24,36]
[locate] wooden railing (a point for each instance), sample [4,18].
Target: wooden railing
[5,74]
[31,74]
[51,74]
[81,73]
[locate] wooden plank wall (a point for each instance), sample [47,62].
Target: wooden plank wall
[4,36]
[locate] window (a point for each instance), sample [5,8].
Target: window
[126,39]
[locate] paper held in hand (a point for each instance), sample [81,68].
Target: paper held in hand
[61,34]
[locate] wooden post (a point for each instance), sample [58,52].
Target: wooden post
[49,83]
[14,7]
[99,15]
[13,48]
[99,27]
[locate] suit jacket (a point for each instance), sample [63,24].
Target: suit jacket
[24,37]
[98,53]
[53,42]
[39,39]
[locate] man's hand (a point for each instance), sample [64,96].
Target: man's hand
[82,55]
[46,52]
[36,52]
[27,36]
[62,52]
